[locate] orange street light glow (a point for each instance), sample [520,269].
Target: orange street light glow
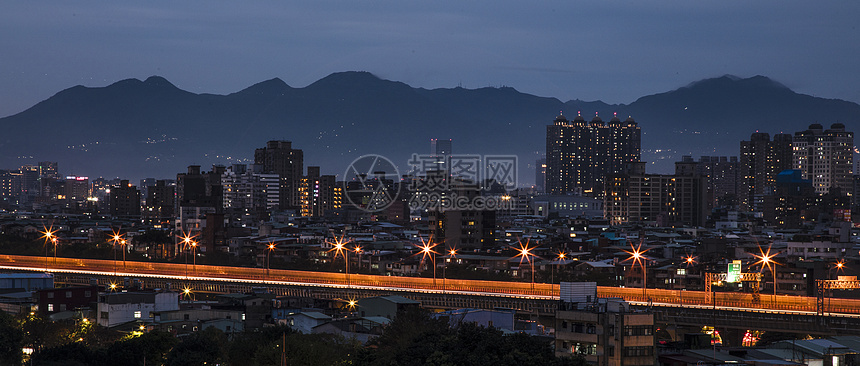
[765,258]
[339,245]
[48,232]
[426,248]
[636,254]
[690,260]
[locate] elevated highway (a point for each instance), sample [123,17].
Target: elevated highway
[682,308]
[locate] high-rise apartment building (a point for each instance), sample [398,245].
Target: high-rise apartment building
[199,189]
[826,157]
[125,201]
[580,154]
[279,157]
[319,194]
[248,193]
[540,175]
[722,176]
[461,228]
[159,206]
[657,199]
[760,161]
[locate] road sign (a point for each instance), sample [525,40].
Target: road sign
[734,271]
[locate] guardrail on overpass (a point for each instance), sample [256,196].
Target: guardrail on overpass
[205,274]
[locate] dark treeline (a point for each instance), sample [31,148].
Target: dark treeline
[413,338]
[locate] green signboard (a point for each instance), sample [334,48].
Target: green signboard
[734,272]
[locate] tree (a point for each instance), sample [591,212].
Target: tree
[412,338]
[70,354]
[149,349]
[206,346]
[417,338]
[11,340]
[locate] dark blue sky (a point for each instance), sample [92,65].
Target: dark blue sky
[615,51]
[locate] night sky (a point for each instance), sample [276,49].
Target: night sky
[615,51]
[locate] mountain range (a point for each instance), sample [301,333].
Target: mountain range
[135,129]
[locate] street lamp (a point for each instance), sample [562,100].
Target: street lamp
[186,292]
[55,241]
[689,260]
[637,255]
[268,262]
[50,235]
[838,266]
[561,256]
[525,253]
[117,238]
[188,241]
[427,250]
[451,254]
[358,251]
[339,247]
[123,242]
[194,257]
[766,259]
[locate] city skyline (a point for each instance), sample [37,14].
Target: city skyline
[585,51]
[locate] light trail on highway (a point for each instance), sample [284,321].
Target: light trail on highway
[539,291]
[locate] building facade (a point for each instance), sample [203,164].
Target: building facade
[279,157]
[249,194]
[656,199]
[320,195]
[826,157]
[125,201]
[580,154]
[604,331]
[760,161]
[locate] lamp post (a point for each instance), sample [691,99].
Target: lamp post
[637,255]
[116,238]
[561,256]
[339,246]
[451,254]
[194,257]
[526,254]
[689,260]
[123,242]
[50,235]
[765,258]
[187,241]
[55,241]
[271,248]
[358,251]
[427,250]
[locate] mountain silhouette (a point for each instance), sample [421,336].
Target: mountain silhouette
[151,128]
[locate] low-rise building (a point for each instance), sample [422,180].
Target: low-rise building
[55,300]
[606,331]
[385,306]
[305,322]
[115,308]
